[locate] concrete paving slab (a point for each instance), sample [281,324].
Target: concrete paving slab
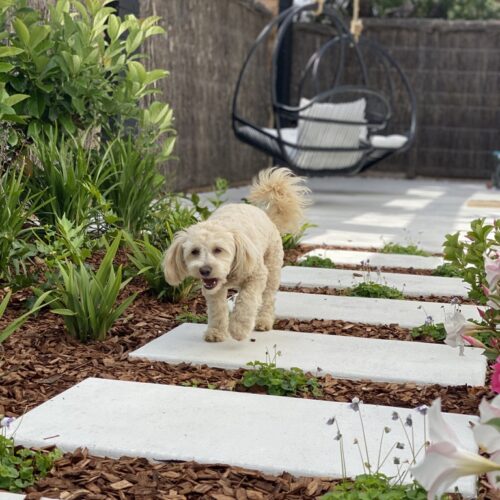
[341,356]
[405,313]
[376,259]
[409,284]
[268,433]
[368,212]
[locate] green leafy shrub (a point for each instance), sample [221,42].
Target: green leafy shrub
[77,69]
[133,182]
[279,381]
[16,209]
[447,270]
[433,330]
[67,241]
[87,300]
[214,201]
[189,317]
[69,178]
[375,487]
[291,241]
[404,249]
[444,9]
[21,467]
[374,290]
[148,260]
[315,261]
[467,256]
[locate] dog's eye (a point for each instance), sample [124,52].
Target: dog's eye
[217,250]
[195,251]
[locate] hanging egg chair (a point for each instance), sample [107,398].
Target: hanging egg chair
[349,106]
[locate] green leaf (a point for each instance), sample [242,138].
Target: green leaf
[15,98]
[21,31]
[10,51]
[6,67]
[64,312]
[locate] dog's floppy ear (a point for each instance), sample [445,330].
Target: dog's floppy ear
[174,267]
[246,255]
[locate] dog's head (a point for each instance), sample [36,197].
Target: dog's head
[211,253]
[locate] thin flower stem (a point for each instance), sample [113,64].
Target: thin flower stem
[407,438]
[408,469]
[361,456]
[342,459]
[380,450]
[364,439]
[387,455]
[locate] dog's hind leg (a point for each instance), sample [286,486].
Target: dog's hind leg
[218,316]
[248,301]
[273,262]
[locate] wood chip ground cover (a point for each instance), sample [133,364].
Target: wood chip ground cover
[40,361]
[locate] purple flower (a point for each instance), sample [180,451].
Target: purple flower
[409,421]
[6,422]
[422,409]
[395,415]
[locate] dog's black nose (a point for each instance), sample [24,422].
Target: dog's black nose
[205,271]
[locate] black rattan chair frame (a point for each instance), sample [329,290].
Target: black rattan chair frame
[276,145]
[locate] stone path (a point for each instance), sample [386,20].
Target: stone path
[376,259]
[366,212]
[409,284]
[341,356]
[365,310]
[275,434]
[269,433]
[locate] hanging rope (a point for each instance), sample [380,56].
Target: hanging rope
[356,22]
[319,10]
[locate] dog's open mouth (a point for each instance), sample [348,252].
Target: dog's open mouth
[210,283]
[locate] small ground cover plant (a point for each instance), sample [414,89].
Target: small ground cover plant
[316,261]
[447,270]
[279,381]
[375,487]
[374,290]
[410,249]
[190,317]
[433,330]
[20,467]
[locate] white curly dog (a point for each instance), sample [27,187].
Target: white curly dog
[239,247]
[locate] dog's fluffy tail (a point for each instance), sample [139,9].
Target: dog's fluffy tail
[283,197]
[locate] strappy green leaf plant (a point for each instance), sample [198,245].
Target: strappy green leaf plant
[88,299]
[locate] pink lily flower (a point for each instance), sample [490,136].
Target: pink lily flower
[445,459]
[495,378]
[473,341]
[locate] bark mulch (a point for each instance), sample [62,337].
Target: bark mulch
[79,475]
[326,290]
[40,361]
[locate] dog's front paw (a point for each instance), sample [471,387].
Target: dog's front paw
[238,333]
[264,324]
[214,335]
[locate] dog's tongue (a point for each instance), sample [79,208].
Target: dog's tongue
[210,283]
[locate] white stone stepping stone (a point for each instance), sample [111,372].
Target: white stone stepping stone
[409,284]
[5,495]
[405,313]
[341,356]
[377,259]
[268,433]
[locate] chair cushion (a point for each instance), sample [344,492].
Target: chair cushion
[394,141]
[331,135]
